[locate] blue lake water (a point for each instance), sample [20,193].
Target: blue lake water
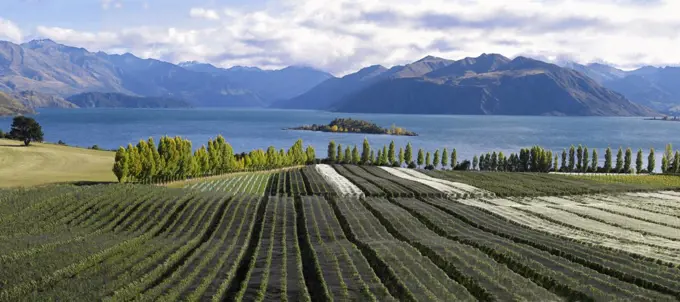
[248,129]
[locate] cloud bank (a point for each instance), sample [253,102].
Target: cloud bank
[342,36]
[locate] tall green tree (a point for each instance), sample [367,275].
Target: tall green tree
[391,154]
[331,151]
[638,161]
[311,154]
[579,157]
[619,161]
[421,157]
[454,158]
[272,157]
[384,159]
[445,158]
[297,153]
[628,160]
[339,157]
[586,162]
[227,151]
[608,160]
[572,156]
[494,161]
[371,158]
[435,160]
[668,155]
[501,161]
[475,162]
[120,165]
[26,129]
[428,159]
[408,154]
[135,165]
[366,152]
[651,161]
[355,155]
[563,168]
[594,164]
[401,156]
[676,162]
[556,163]
[378,158]
[348,155]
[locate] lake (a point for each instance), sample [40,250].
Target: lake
[248,129]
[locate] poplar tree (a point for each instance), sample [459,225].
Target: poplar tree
[445,158]
[571,158]
[494,161]
[348,155]
[594,164]
[668,155]
[371,158]
[401,156]
[391,155]
[608,160]
[135,164]
[428,159]
[501,161]
[331,151]
[383,158]
[408,154]
[638,161]
[366,155]
[378,158]
[475,162]
[651,161]
[556,163]
[311,154]
[454,158]
[619,161]
[421,157]
[204,160]
[628,160]
[435,160]
[586,162]
[676,162]
[579,157]
[272,157]
[120,165]
[563,168]
[339,157]
[355,155]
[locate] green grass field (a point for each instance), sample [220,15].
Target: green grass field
[40,164]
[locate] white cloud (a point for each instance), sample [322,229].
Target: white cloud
[344,35]
[106,4]
[10,31]
[209,14]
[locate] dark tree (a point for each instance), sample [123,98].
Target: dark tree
[26,129]
[651,161]
[638,161]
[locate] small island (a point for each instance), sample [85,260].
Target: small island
[349,125]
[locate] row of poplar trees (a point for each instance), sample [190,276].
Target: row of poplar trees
[174,159]
[534,159]
[389,156]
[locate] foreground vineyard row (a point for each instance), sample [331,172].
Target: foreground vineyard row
[292,235]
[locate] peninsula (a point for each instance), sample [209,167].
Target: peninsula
[355,126]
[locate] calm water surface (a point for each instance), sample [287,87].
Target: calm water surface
[248,129]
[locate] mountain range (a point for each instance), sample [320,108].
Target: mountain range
[42,73]
[488,84]
[48,67]
[655,87]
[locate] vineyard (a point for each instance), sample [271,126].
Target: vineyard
[346,233]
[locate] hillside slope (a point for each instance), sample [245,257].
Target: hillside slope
[10,106]
[46,163]
[34,99]
[119,100]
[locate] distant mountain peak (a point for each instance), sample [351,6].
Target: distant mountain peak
[431,58]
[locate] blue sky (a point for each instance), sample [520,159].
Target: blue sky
[341,36]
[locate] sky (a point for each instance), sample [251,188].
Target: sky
[342,36]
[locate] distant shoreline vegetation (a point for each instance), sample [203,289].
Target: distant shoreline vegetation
[349,125]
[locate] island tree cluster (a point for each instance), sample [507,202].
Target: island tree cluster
[356,126]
